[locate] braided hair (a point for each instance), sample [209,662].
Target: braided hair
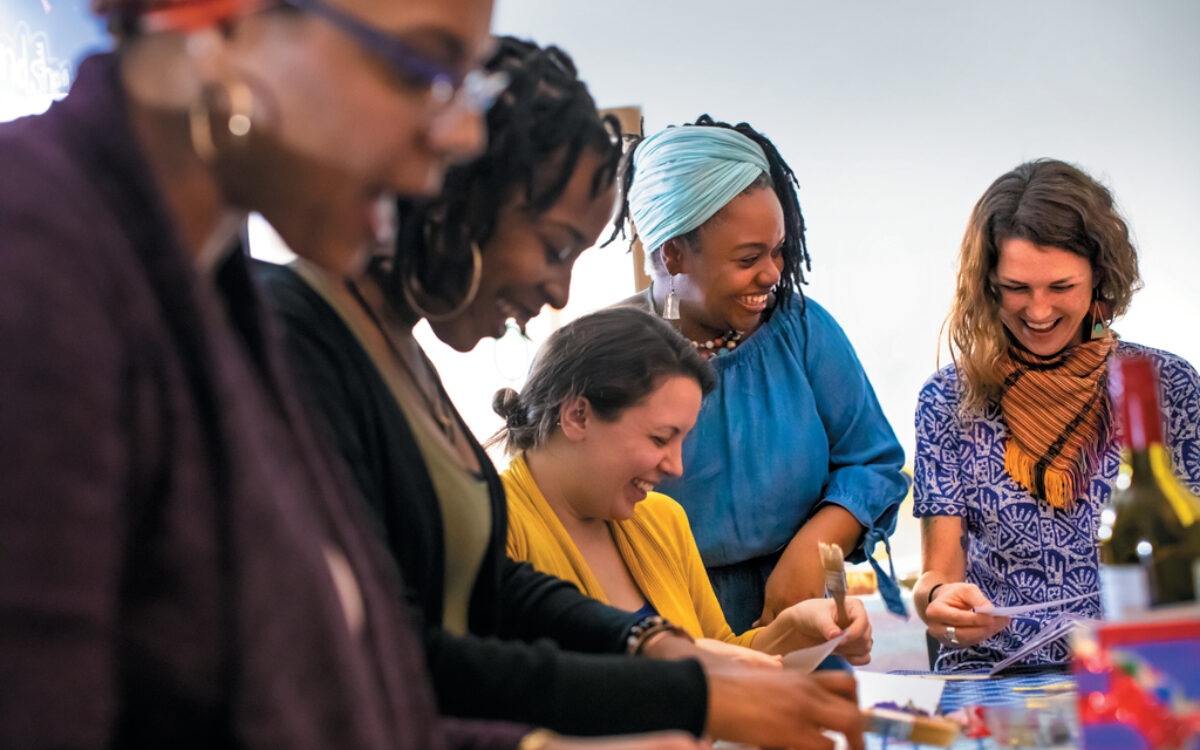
[537,131]
[796,260]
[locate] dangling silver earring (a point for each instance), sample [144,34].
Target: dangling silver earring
[671,305]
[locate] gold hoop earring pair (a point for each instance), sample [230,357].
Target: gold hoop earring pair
[239,124]
[411,287]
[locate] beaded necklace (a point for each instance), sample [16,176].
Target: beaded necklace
[720,346]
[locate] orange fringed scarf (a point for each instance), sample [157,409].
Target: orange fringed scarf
[1054,407]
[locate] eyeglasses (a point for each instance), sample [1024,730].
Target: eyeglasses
[476,90]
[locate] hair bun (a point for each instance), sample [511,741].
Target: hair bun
[507,404]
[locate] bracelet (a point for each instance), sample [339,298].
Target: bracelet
[935,588]
[643,630]
[536,740]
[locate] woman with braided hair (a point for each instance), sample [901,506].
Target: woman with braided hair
[791,448]
[499,243]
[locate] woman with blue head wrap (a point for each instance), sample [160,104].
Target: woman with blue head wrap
[791,448]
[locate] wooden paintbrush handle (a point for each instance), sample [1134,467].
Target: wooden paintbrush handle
[843,617]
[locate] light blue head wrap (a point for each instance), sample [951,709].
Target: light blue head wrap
[682,176]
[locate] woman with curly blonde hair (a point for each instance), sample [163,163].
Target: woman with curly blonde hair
[1016,452]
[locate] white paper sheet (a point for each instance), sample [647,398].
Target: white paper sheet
[877,687]
[807,659]
[1060,627]
[1026,608]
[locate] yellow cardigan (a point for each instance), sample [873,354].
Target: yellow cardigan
[656,545]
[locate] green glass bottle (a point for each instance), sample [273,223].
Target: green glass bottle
[1149,534]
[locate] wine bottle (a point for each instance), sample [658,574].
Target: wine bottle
[1149,534]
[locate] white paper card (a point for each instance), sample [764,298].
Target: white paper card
[877,687]
[807,659]
[1026,608]
[1060,627]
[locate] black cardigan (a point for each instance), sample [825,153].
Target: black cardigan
[505,668]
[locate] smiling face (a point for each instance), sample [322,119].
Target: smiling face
[1045,293]
[725,282]
[340,131]
[618,462]
[527,261]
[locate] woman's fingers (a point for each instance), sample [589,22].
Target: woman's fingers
[953,605]
[860,624]
[839,683]
[958,618]
[653,741]
[839,715]
[857,646]
[969,635]
[782,708]
[820,617]
[952,609]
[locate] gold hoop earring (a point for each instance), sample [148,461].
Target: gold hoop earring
[473,290]
[239,124]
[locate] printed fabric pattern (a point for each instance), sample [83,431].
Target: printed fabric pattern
[1021,550]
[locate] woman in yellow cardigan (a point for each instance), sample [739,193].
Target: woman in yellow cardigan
[601,419]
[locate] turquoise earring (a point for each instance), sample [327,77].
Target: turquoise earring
[1099,314]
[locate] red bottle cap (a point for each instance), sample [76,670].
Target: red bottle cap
[1133,384]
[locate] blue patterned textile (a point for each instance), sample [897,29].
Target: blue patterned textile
[1020,550]
[792,424]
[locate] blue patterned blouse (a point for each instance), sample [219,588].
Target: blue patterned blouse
[1020,550]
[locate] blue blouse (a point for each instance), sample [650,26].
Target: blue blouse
[1021,550]
[793,423]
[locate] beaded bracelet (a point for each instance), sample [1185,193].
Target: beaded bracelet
[643,630]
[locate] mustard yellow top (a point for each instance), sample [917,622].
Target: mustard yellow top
[656,545]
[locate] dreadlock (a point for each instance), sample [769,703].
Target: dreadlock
[536,131]
[781,179]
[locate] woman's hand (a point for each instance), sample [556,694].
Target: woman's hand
[814,621]
[783,708]
[654,741]
[857,646]
[739,654]
[951,620]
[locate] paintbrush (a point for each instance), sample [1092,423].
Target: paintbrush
[835,579]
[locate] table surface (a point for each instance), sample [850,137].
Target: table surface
[1011,691]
